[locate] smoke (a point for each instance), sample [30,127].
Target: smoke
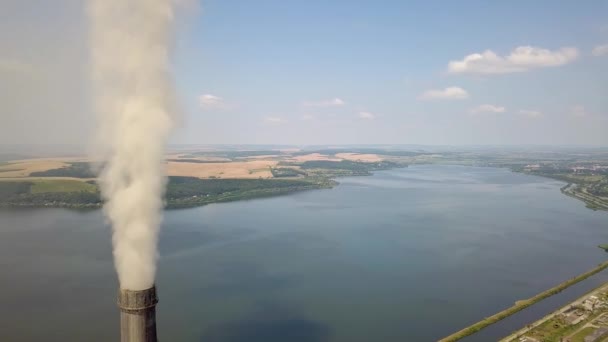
[130,52]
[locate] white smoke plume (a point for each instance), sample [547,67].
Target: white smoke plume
[131,41]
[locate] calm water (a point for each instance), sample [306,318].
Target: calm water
[405,255]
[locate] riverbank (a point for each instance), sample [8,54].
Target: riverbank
[354,237]
[181,192]
[579,192]
[530,327]
[48,191]
[521,304]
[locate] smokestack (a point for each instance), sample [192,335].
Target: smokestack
[131,43]
[138,315]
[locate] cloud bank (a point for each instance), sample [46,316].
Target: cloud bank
[487,108]
[522,58]
[600,50]
[208,101]
[449,93]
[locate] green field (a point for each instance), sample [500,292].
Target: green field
[12,188]
[553,330]
[49,193]
[580,336]
[60,185]
[74,170]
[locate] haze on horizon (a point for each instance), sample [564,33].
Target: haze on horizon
[345,72]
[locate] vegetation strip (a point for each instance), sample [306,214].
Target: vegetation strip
[182,192]
[521,304]
[591,201]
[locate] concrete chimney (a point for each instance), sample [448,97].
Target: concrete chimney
[138,315]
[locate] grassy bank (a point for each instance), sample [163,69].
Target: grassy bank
[591,201]
[185,192]
[181,192]
[521,304]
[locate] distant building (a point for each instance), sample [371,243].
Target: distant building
[589,303]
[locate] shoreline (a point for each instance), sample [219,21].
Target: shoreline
[188,202]
[328,182]
[529,327]
[521,304]
[592,202]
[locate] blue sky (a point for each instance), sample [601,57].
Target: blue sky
[341,72]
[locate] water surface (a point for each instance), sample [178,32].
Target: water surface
[405,255]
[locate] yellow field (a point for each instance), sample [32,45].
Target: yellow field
[267,156]
[23,168]
[214,167]
[248,169]
[257,168]
[203,158]
[313,156]
[366,158]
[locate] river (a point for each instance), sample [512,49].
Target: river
[405,255]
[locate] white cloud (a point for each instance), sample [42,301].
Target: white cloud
[307,117]
[579,111]
[487,108]
[522,58]
[450,93]
[367,116]
[531,113]
[325,103]
[208,101]
[274,120]
[600,50]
